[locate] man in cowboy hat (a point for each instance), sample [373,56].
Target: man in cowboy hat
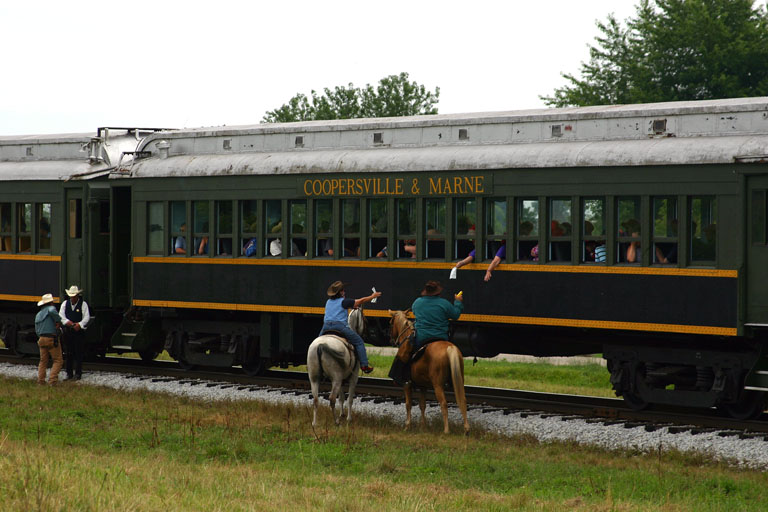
[336,319]
[433,313]
[75,317]
[46,324]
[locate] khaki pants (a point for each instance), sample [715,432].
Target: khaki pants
[48,350]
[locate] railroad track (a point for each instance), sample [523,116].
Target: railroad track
[609,411]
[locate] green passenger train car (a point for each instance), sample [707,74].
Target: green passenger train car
[634,231]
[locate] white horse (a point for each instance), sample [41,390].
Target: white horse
[330,356]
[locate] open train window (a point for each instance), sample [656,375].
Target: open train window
[560,229]
[75,218]
[155,227]
[323,227]
[528,230]
[273,227]
[377,236]
[249,227]
[298,212]
[6,235]
[406,228]
[201,223]
[703,229]
[350,228]
[495,225]
[434,220]
[629,230]
[465,227]
[593,230]
[665,230]
[178,227]
[223,228]
[24,227]
[44,233]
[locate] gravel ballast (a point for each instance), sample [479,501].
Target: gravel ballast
[749,453]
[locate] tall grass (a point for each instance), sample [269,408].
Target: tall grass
[78,447]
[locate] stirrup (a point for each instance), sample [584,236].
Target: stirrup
[366,369]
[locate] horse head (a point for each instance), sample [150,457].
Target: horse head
[357,321]
[400,329]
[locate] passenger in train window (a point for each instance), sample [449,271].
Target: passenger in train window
[6,245]
[631,228]
[382,253]
[471,256]
[409,246]
[326,247]
[180,245]
[500,255]
[276,248]
[600,251]
[202,245]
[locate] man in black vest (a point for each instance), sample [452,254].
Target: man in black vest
[74,317]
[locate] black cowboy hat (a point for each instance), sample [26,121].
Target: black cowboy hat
[432,288]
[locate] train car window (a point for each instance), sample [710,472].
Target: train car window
[593,230]
[350,227]
[560,229]
[5,228]
[298,213]
[629,230]
[155,227]
[178,227]
[103,217]
[201,224]
[758,217]
[273,227]
[528,230]
[703,229]
[377,237]
[323,227]
[495,225]
[44,233]
[464,226]
[24,227]
[406,228]
[249,227]
[665,230]
[223,228]
[435,228]
[75,218]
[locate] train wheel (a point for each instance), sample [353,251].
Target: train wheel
[185,365]
[751,404]
[634,401]
[254,367]
[148,355]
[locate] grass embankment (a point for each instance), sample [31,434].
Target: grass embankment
[77,447]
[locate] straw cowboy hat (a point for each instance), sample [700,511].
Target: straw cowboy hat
[46,299]
[335,288]
[74,290]
[432,288]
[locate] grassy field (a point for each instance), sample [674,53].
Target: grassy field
[77,447]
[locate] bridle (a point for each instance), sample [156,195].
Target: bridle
[404,329]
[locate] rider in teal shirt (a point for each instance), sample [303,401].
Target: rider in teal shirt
[433,313]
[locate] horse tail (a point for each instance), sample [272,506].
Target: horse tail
[457,376]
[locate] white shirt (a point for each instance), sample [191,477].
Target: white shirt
[86,314]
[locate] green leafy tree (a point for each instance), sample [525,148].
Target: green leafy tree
[674,50]
[394,96]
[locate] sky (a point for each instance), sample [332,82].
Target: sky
[71,67]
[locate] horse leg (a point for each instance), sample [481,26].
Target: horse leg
[341,400]
[423,407]
[440,395]
[407,390]
[352,384]
[315,385]
[335,387]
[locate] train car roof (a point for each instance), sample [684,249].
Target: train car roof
[677,133]
[63,156]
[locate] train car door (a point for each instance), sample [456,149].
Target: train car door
[757,250]
[120,277]
[98,223]
[74,265]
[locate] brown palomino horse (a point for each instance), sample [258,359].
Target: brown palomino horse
[441,364]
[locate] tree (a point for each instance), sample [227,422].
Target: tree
[674,50]
[394,96]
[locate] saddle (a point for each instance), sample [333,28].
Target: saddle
[401,372]
[347,344]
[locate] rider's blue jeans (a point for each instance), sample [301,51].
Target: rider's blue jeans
[351,337]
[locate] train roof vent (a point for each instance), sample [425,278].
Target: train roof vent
[227,144]
[463,134]
[659,126]
[557,130]
[299,141]
[378,138]
[29,151]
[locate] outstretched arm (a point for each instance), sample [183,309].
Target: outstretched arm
[465,261]
[493,265]
[359,302]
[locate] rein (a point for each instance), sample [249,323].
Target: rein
[403,330]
